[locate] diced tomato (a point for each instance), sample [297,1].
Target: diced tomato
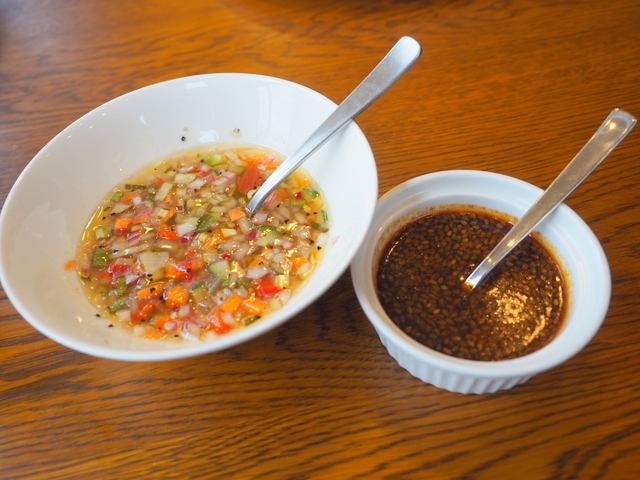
[217,324]
[166,232]
[117,270]
[249,178]
[266,288]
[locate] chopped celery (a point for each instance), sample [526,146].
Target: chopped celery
[199,292]
[216,159]
[250,320]
[276,267]
[220,270]
[120,207]
[267,238]
[163,191]
[117,195]
[103,232]
[100,258]
[265,228]
[309,194]
[184,178]
[118,304]
[205,221]
[121,286]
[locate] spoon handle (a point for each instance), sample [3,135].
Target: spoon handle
[617,125]
[395,64]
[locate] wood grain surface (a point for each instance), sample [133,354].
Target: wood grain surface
[510,86]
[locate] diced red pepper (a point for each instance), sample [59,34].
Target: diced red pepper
[266,288]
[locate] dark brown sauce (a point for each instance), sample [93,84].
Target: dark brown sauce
[516,310]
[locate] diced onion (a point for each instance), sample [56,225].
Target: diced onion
[196,184]
[242,251]
[228,246]
[228,319]
[260,218]
[244,224]
[256,272]
[304,270]
[184,229]
[124,315]
[322,239]
[284,296]
[153,261]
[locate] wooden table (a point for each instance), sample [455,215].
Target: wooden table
[514,87]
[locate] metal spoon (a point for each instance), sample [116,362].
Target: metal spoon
[395,64]
[617,125]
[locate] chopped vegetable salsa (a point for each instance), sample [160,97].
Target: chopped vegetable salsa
[172,252]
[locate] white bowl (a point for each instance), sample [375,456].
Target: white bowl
[52,200]
[573,244]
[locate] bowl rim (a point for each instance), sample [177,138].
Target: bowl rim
[189,349]
[530,364]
